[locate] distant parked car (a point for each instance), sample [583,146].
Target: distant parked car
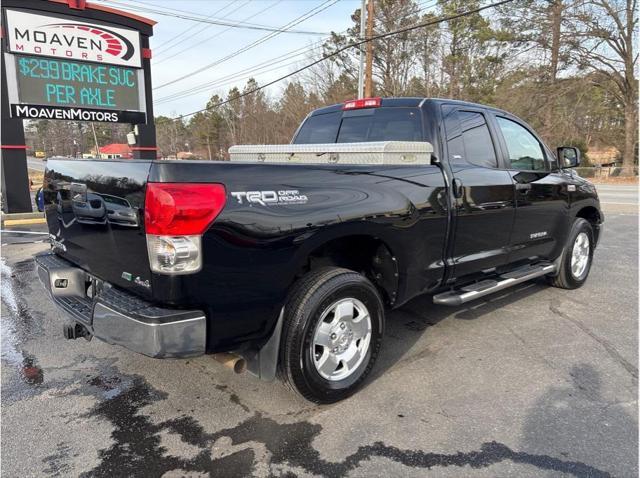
[89,210]
[119,211]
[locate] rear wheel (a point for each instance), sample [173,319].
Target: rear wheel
[332,334]
[577,255]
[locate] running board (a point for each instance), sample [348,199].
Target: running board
[489,286]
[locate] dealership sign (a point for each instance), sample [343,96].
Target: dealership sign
[62,68]
[75,114]
[62,37]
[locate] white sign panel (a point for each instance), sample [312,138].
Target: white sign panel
[64,37]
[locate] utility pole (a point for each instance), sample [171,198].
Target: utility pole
[368,86]
[361,69]
[95,140]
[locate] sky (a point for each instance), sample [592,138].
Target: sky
[181,46]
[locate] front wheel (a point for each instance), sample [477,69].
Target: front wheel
[577,256]
[332,333]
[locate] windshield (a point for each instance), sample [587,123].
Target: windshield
[371,124]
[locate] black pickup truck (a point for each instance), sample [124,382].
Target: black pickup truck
[285,260]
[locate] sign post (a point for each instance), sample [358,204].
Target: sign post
[73,61]
[16,191]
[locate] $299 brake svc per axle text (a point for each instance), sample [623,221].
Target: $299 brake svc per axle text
[82,84]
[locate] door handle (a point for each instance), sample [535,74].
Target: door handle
[523,186]
[457,188]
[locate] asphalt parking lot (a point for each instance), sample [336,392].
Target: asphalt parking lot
[535,381]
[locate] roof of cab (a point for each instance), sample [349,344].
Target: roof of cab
[406,102]
[413,101]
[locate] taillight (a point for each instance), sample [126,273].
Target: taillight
[175,216]
[182,208]
[174,254]
[362,103]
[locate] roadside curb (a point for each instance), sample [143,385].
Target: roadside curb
[22,218]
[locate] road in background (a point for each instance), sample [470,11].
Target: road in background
[618,194]
[23,234]
[534,382]
[36,164]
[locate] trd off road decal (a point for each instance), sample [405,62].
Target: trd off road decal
[270,198]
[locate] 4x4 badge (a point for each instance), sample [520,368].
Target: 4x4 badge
[142,282]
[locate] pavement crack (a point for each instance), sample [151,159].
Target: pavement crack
[532,349]
[606,345]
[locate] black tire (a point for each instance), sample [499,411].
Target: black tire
[309,298]
[566,279]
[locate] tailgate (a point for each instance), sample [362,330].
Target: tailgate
[94,211]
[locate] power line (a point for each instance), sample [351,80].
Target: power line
[346,47]
[226,80]
[426,5]
[423,6]
[163,45]
[203,28]
[211,21]
[294,22]
[231,78]
[314,11]
[259,12]
[195,17]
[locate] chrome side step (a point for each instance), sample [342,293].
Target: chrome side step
[489,286]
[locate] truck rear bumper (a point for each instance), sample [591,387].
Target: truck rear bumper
[120,318]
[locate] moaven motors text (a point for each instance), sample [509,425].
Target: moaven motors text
[24,111]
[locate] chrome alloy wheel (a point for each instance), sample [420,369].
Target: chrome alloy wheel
[580,255]
[341,339]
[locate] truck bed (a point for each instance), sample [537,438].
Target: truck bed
[274,215]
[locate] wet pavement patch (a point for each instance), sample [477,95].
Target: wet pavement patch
[110,386]
[17,282]
[19,325]
[137,449]
[137,446]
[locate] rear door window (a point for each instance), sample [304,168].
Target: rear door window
[469,140]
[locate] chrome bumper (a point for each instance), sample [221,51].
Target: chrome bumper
[120,318]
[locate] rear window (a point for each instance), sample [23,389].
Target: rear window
[320,129]
[372,124]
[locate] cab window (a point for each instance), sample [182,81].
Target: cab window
[525,151]
[468,139]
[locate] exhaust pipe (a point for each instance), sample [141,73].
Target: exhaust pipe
[235,362]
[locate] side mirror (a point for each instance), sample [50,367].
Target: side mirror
[568,157]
